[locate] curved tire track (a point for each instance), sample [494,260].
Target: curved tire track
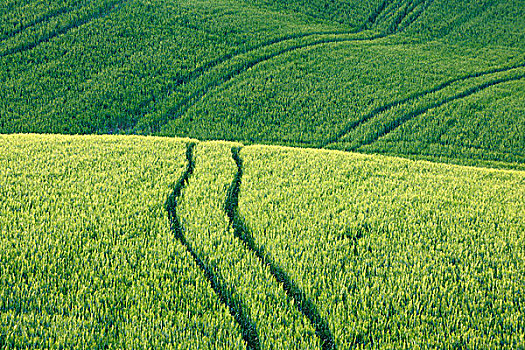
[182,107]
[405,118]
[406,14]
[241,231]
[349,127]
[235,306]
[44,18]
[101,13]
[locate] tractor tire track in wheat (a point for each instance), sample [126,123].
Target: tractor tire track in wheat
[376,111]
[235,306]
[101,13]
[241,231]
[183,106]
[39,20]
[406,117]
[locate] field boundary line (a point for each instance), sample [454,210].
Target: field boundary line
[242,232]
[100,13]
[235,306]
[376,111]
[405,118]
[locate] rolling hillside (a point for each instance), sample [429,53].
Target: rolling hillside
[305,73]
[262,174]
[142,242]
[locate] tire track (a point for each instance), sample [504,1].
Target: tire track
[405,118]
[101,13]
[208,66]
[416,14]
[45,17]
[372,19]
[395,13]
[241,231]
[183,106]
[394,26]
[200,71]
[235,306]
[352,125]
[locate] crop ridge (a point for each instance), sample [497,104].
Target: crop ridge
[242,232]
[405,118]
[44,18]
[101,13]
[349,127]
[235,306]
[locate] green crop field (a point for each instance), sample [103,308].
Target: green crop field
[262,174]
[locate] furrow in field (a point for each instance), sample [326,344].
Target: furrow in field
[43,18]
[101,13]
[372,19]
[209,66]
[375,112]
[234,305]
[393,125]
[401,14]
[241,231]
[416,12]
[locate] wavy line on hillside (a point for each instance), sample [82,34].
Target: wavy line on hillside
[181,109]
[405,14]
[394,26]
[352,125]
[375,14]
[208,66]
[214,63]
[407,117]
[235,306]
[242,232]
[424,7]
[101,13]
[45,17]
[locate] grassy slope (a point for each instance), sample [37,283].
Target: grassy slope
[108,73]
[242,70]
[395,253]
[273,72]
[317,248]
[86,254]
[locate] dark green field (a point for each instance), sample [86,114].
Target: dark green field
[365,76]
[262,174]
